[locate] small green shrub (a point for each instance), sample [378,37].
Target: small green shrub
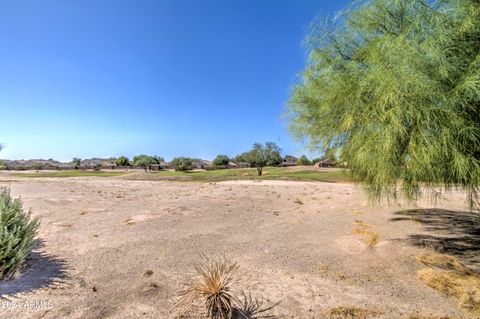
[17,232]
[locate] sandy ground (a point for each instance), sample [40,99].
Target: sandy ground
[292,240]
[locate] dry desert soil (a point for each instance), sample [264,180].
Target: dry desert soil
[110,247]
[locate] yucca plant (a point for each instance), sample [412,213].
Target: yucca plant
[17,232]
[212,287]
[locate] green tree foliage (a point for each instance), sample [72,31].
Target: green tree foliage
[182,163]
[241,158]
[158,159]
[303,161]
[144,161]
[262,155]
[17,232]
[122,161]
[221,160]
[394,87]
[77,161]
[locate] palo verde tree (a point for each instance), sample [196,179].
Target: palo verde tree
[122,161]
[394,87]
[181,164]
[158,159]
[304,161]
[262,155]
[76,162]
[221,160]
[143,161]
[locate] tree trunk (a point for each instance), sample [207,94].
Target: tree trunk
[259,170]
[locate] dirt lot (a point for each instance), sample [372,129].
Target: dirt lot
[298,245]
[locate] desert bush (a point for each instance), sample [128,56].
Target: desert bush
[17,232]
[182,163]
[212,287]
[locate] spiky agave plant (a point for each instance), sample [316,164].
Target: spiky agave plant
[17,232]
[211,286]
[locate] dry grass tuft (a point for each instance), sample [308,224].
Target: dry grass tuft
[361,223]
[442,261]
[420,316]
[147,273]
[350,312]
[365,230]
[212,287]
[130,221]
[449,276]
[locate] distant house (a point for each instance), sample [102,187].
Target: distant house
[201,164]
[165,165]
[289,161]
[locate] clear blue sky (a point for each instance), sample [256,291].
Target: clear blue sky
[100,78]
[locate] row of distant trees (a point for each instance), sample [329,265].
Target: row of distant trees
[259,156]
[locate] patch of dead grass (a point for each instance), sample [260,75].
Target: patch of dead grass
[421,316]
[449,276]
[371,237]
[350,312]
[148,273]
[130,221]
[442,261]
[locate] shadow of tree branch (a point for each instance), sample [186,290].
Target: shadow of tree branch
[451,232]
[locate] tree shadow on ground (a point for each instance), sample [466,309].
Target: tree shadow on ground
[451,232]
[253,308]
[41,271]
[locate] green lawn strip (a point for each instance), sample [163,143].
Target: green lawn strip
[70,174]
[270,173]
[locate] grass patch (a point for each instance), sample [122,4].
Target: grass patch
[449,276]
[70,174]
[269,173]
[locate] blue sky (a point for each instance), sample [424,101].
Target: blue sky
[98,78]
